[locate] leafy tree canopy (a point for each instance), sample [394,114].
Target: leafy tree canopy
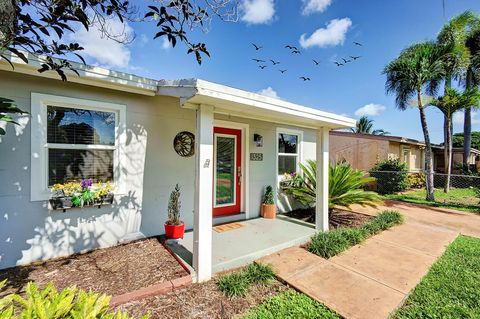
[458,139]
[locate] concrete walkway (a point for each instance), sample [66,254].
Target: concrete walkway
[372,279]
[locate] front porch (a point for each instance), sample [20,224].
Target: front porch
[240,246]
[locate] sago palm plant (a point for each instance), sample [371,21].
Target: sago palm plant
[345,186]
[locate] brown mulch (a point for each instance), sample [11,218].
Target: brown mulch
[339,217]
[203,300]
[114,271]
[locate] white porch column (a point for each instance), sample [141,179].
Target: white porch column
[202,231]
[321,208]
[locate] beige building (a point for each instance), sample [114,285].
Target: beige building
[363,150]
[457,157]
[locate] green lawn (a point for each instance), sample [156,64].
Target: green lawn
[464,199]
[451,287]
[291,305]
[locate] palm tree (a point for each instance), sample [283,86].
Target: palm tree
[365,126]
[472,80]
[454,35]
[419,67]
[345,186]
[448,104]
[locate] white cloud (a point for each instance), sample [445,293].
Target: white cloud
[257,11]
[312,6]
[143,39]
[458,117]
[104,50]
[370,110]
[165,44]
[270,92]
[332,35]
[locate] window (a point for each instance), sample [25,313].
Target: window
[74,139]
[288,151]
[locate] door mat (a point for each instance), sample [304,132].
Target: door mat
[227,227]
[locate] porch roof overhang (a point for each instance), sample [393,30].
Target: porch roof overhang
[235,102]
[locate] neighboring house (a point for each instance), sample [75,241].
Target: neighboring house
[457,158]
[114,126]
[362,151]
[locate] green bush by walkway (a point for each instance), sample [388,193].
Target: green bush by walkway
[451,287]
[291,305]
[331,243]
[237,284]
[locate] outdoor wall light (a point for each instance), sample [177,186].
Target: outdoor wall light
[258,139]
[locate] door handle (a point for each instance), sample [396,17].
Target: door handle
[239,174]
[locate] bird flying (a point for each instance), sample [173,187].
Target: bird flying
[262,66]
[316,62]
[257,47]
[282,71]
[355,57]
[291,47]
[305,78]
[258,60]
[338,63]
[296,52]
[275,62]
[357,43]
[346,61]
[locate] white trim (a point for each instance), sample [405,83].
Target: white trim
[39,147]
[245,190]
[323,162]
[235,195]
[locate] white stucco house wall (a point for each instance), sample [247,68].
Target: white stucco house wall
[136,142]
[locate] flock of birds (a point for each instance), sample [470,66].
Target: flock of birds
[262,64]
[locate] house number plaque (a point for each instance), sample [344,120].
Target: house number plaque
[256,157]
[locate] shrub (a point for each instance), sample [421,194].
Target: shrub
[331,243]
[328,244]
[391,176]
[238,283]
[174,207]
[345,186]
[416,180]
[258,273]
[234,284]
[269,199]
[51,304]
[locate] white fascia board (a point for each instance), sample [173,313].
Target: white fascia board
[89,75]
[276,105]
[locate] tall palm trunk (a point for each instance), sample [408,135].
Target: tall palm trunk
[467,125]
[447,138]
[428,148]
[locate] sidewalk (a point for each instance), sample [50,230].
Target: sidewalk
[371,280]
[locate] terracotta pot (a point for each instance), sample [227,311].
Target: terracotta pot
[174,231]
[269,211]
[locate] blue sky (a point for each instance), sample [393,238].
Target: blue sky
[383,27]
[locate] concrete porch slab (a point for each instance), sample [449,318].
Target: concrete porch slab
[239,247]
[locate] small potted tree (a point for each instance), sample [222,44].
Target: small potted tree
[174,227]
[269,209]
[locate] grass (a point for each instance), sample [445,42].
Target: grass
[291,305]
[332,243]
[237,284]
[464,199]
[450,289]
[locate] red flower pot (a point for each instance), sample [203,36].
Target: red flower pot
[174,231]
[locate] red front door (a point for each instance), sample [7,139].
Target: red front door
[227,171]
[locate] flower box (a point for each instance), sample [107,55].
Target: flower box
[80,194]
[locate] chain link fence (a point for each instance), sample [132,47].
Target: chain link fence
[464,189]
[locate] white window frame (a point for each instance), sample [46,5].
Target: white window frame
[39,189]
[299,134]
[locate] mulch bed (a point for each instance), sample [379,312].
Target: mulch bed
[114,271]
[339,218]
[202,300]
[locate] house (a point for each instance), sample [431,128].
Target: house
[457,158]
[362,151]
[146,136]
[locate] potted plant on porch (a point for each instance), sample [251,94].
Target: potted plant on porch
[269,209]
[174,227]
